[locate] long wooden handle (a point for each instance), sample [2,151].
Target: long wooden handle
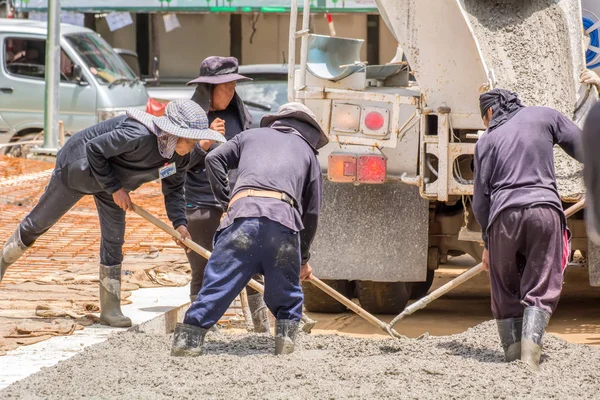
[436,294]
[352,306]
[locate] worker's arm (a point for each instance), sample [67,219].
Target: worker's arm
[481,192]
[311,203]
[218,163]
[568,136]
[123,139]
[172,188]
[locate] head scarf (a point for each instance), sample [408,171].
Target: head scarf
[505,104]
[166,141]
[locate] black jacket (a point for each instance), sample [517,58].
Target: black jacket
[121,153]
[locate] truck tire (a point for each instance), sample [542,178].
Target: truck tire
[315,300]
[383,297]
[420,289]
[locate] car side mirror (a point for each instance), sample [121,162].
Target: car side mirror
[78,75]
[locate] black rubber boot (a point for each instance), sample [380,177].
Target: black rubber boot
[535,321]
[509,331]
[13,250]
[188,341]
[110,297]
[285,336]
[260,314]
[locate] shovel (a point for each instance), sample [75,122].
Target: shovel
[436,294]
[308,323]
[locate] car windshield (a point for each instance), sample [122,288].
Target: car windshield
[269,93]
[106,66]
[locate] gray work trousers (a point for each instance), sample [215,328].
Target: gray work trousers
[57,199]
[202,225]
[529,250]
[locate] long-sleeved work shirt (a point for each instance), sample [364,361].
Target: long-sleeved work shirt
[121,153]
[198,193]
[275,160]
[514,163]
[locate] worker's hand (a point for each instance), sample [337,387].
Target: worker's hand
[485,260]
[306,272]
[218,125]
[185,234]
[589,77]
[122,199]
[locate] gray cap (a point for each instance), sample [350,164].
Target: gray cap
[298,111]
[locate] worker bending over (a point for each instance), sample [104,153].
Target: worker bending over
[517,204]
[227,114]
[268,228]
[109,160]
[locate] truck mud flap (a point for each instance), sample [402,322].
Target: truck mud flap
[372,232]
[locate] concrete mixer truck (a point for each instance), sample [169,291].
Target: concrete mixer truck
[402,135]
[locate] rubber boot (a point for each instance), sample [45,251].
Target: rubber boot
[510,337]
[535,321]
[285,336]
[260,314]
[13,250]
[193,298]
[110,297]
[188,341]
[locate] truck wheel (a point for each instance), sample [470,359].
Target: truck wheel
[383,297]
[315,300]
[420,289]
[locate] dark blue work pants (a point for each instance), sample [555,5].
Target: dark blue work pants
[247,247]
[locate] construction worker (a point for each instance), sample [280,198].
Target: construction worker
[107,161]
[269,226]
[517,204]
[227,114]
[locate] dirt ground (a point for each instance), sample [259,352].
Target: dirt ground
[346,358]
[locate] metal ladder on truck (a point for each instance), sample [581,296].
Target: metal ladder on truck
[295,35]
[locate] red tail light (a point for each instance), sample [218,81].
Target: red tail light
[374,121]
[341,168]
[371,169]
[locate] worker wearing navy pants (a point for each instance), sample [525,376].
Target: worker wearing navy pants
[269,225]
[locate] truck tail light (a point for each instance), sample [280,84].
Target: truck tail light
[341,168]
[371,169]
[374,121]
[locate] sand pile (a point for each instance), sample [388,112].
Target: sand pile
[136,365]
[528,45]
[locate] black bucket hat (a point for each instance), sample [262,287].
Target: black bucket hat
[216,70]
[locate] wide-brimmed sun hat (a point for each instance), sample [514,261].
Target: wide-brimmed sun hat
[183,118]
[216,70]
[298,111]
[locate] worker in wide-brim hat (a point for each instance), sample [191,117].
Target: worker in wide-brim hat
[269,225]
[517,204]
[215,93]
[107,161]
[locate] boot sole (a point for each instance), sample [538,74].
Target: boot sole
[287,347]
[121,324]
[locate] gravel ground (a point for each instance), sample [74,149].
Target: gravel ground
[136,365]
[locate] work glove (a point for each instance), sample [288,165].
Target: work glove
[589,77]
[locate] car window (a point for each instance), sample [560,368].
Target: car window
[271,93]
[26,57]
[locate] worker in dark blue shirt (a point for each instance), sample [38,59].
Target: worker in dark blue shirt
[517,204]
[109,160]
[271,220]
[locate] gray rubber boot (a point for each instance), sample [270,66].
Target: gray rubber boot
[188,341]
[509,331]
[110,297]
[193,297]
[535,321]
[285,336]
[260,314]
[13,250]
